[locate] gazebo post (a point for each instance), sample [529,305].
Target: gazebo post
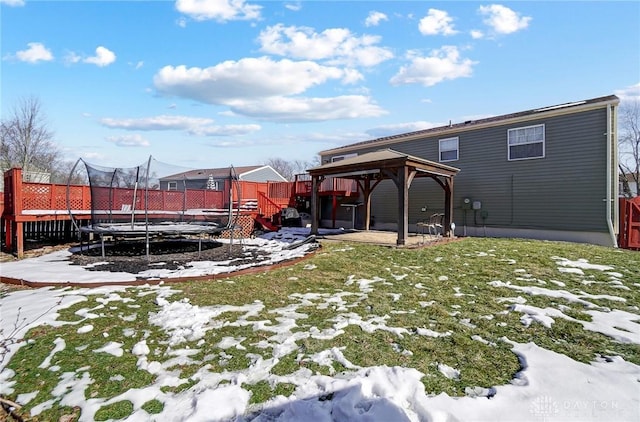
[366,193]
[315,204]
[448,207]
[365,187]
[402,182]
[402,179]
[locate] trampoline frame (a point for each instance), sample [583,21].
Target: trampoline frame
[149,229]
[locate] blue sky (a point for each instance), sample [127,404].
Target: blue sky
[210,83]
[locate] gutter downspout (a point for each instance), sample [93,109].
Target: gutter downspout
[610,138]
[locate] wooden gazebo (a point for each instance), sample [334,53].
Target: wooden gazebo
[371,168]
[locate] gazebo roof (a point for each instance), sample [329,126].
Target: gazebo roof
[384,159]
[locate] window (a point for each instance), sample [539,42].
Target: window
[526,142]
[449,149]
[342,157]
[172,185]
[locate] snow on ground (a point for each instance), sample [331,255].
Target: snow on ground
[56,267]
[550,387]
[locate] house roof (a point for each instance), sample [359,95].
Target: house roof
[558,109]
[223,172]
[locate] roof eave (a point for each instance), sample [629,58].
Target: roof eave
[446,130]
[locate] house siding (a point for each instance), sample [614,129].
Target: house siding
[181,184]
[565,190]
[260,174]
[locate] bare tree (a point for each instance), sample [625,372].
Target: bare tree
[288,169]
[629,144]
[66,173]
[26,140]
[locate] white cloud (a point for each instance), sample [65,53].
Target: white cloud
[296,7]
[283,109]
[629,93]
[375,18]
[247,78]
[476,34]
[13,2]
[36,52]
[198,126]
[104,57]
[181,22]
[225,130]
[503,20]
[129,141]
[137,65]
[444,63]
[219,10]
[336,45]
[162,122]
[263,88]
[72,57]
[437,22]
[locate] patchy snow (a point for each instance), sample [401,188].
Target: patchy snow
[448,371]
[113,348]
[580,263]
[55,267]
[549,387]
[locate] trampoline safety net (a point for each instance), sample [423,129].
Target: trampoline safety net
[156,197]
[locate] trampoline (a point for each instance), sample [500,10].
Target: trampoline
[154,201]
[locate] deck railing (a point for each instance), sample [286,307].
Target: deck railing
[30,202]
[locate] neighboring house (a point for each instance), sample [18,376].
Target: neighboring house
[214,179]
[631,182]
[547,173]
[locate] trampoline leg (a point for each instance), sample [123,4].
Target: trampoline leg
[199,245]
[102,241]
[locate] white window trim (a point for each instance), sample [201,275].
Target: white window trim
[543,141]
[172,185]
[457,149]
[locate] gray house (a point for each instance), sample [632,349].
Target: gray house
[214,179]
[546,173]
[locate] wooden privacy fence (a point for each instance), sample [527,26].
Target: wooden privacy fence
[629,236]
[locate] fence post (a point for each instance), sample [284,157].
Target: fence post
[13,191]
[622,223]
[16,190]
[86,198]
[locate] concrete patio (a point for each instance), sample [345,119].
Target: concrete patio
[385,238]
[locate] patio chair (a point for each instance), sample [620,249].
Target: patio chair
[433,226]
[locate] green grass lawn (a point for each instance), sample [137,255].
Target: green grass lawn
[441,306]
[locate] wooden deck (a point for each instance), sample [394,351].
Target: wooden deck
[34,210]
